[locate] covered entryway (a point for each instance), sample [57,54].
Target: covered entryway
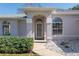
[39,27]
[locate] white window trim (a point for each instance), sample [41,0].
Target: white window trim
[5,25]
[57,28]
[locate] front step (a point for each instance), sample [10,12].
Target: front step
[40,41]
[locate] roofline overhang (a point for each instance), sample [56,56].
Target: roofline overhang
[29,9]
[12,16]
[53,10]
[65,12]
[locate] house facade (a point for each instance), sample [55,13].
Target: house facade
[40,23]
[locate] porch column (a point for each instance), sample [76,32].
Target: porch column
[49,28]
[29,27]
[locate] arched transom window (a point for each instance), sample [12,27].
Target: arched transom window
[6,28]
[57,26]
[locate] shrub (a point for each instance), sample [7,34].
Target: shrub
[9,44]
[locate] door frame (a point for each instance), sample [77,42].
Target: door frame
[34,19]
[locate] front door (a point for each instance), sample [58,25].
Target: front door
[39,31]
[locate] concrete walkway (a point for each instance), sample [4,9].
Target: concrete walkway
[40,48]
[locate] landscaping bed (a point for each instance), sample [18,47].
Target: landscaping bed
[15,45]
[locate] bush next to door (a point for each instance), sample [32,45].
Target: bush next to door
[9,44]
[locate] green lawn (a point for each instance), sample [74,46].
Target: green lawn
[24,54]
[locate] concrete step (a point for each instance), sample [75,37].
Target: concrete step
[40,41]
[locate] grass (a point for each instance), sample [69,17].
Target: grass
[23,54]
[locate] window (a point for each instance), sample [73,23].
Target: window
[6,26]
[57,26]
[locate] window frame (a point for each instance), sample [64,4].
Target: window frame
[6,25]
[57,28]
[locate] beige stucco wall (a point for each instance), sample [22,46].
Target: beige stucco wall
[49,27]
[29,27]
[22,27]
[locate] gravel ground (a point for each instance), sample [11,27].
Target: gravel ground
[69,48]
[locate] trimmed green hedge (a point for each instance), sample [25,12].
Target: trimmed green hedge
[9,44]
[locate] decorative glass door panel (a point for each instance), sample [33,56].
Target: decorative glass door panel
[39,30]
